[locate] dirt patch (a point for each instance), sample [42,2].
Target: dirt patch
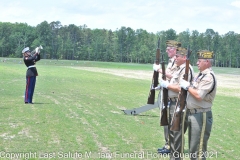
[121,72]
[224,81]
[228,85]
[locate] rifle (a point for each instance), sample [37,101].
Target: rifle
[181,102]
[164,117]
[151,96]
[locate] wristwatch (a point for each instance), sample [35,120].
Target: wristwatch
[187,88]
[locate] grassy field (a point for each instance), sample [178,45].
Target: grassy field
[77,113]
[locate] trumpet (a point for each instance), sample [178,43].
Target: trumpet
[36,49]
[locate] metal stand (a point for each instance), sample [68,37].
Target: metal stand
[145,108]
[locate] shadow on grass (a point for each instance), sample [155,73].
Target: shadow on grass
[5,107]
[149,115]
[141,115]
[41,103]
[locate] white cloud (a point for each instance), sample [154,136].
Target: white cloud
[152,15]
[236,4]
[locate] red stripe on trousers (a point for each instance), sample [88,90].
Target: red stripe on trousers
[26,94]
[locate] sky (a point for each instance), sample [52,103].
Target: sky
[151,15]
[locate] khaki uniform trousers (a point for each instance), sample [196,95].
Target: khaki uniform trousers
[166,129]
[200,125]
[176,138]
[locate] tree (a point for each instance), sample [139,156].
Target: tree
[209,35]
[2,44]
[56,40]
[184,38]
[230,39]
[43,34]
[171,34]
[194,46]
[216,48]
[122,45]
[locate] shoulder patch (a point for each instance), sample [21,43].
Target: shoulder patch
[207,78]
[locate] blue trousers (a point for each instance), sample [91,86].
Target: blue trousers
[30,85]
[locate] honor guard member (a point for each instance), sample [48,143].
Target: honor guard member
[30,60]
[176,138]
[200,99]
[171,50]
[172,47]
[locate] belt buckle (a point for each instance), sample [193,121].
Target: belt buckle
[193,111]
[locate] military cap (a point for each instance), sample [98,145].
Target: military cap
[205,54]
[25,50]
[182,51]
[172,43]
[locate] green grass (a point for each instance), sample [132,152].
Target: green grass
[78,111]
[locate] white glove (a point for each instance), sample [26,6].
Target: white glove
[37,50]
[184,84]
[164,84]
[156,67]
[157,88]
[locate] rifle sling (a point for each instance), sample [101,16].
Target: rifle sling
[190,72]
[214,82]
[173,63]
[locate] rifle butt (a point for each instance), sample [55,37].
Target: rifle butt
[164,114]
[164,118]
[176,122]
[151,97]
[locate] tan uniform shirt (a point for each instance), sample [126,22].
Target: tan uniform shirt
[177,76]
[171,67]
[203,84]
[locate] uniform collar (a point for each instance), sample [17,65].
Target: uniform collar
[206,71]
[181,66]
[171,59]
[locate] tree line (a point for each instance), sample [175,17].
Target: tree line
[73,42]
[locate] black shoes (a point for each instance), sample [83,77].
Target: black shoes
[163,150]
[159,149]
